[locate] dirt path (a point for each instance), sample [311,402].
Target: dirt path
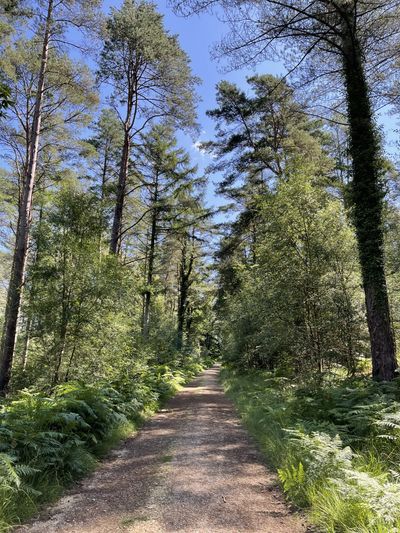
[192,469]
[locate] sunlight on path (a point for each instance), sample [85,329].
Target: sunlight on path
[192,468]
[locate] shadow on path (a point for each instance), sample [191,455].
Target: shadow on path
[192,469]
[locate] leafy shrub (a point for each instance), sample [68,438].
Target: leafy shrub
[48,441]
[336,446]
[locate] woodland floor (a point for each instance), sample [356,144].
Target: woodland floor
[192,468]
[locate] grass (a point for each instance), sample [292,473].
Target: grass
[336,446]
[47,442]
[130,521]
[167,458]
[126,522]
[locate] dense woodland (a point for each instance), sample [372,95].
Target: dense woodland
[104,226]
[120,281]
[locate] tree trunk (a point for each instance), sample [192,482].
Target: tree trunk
[27,338]
[185,271]
[367,199]
[24,221]
[150,264]
[182,299]
[70,363]
[115,241]
[60,351]
[102,197]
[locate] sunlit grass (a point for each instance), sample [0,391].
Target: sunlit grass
[335,446]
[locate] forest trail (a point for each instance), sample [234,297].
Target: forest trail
[191,468]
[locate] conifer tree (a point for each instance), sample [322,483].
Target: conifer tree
[349,39]
[166,172]
[49,35]
[150,76]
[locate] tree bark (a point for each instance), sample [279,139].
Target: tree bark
[131,113]
[27,338]
[104,172]
[185,271]
[60,351]
[150,264]
[182,300]
[24,222]
[367,200]
[115,241]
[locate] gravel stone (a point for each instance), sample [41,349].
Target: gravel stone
[192,468]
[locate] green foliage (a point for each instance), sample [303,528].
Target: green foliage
[68,104]
[335,445]
[292,479]
[47,441]
[11,485]
[5,98]
[137,47]
[290,295]
[259,135]
[298,306]
[104,340]
[73,291]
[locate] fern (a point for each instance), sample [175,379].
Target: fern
[322,454]
[47,441]
[377,494]
[293,480]
[9,478]
[336,447]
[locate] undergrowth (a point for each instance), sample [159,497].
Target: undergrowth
[49,440]
[336,446]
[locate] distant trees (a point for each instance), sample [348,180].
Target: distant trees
[287,269]
[103,157]
[67,279]
[103,222]
[298,307]
[259,132]
[72,291]
[166,171]
[346,38]
[259,136]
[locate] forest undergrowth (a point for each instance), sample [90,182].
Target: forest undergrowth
[48,441]
[335,445]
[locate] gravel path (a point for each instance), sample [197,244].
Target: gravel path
[192,468]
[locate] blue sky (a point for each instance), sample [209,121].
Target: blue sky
[197,35]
